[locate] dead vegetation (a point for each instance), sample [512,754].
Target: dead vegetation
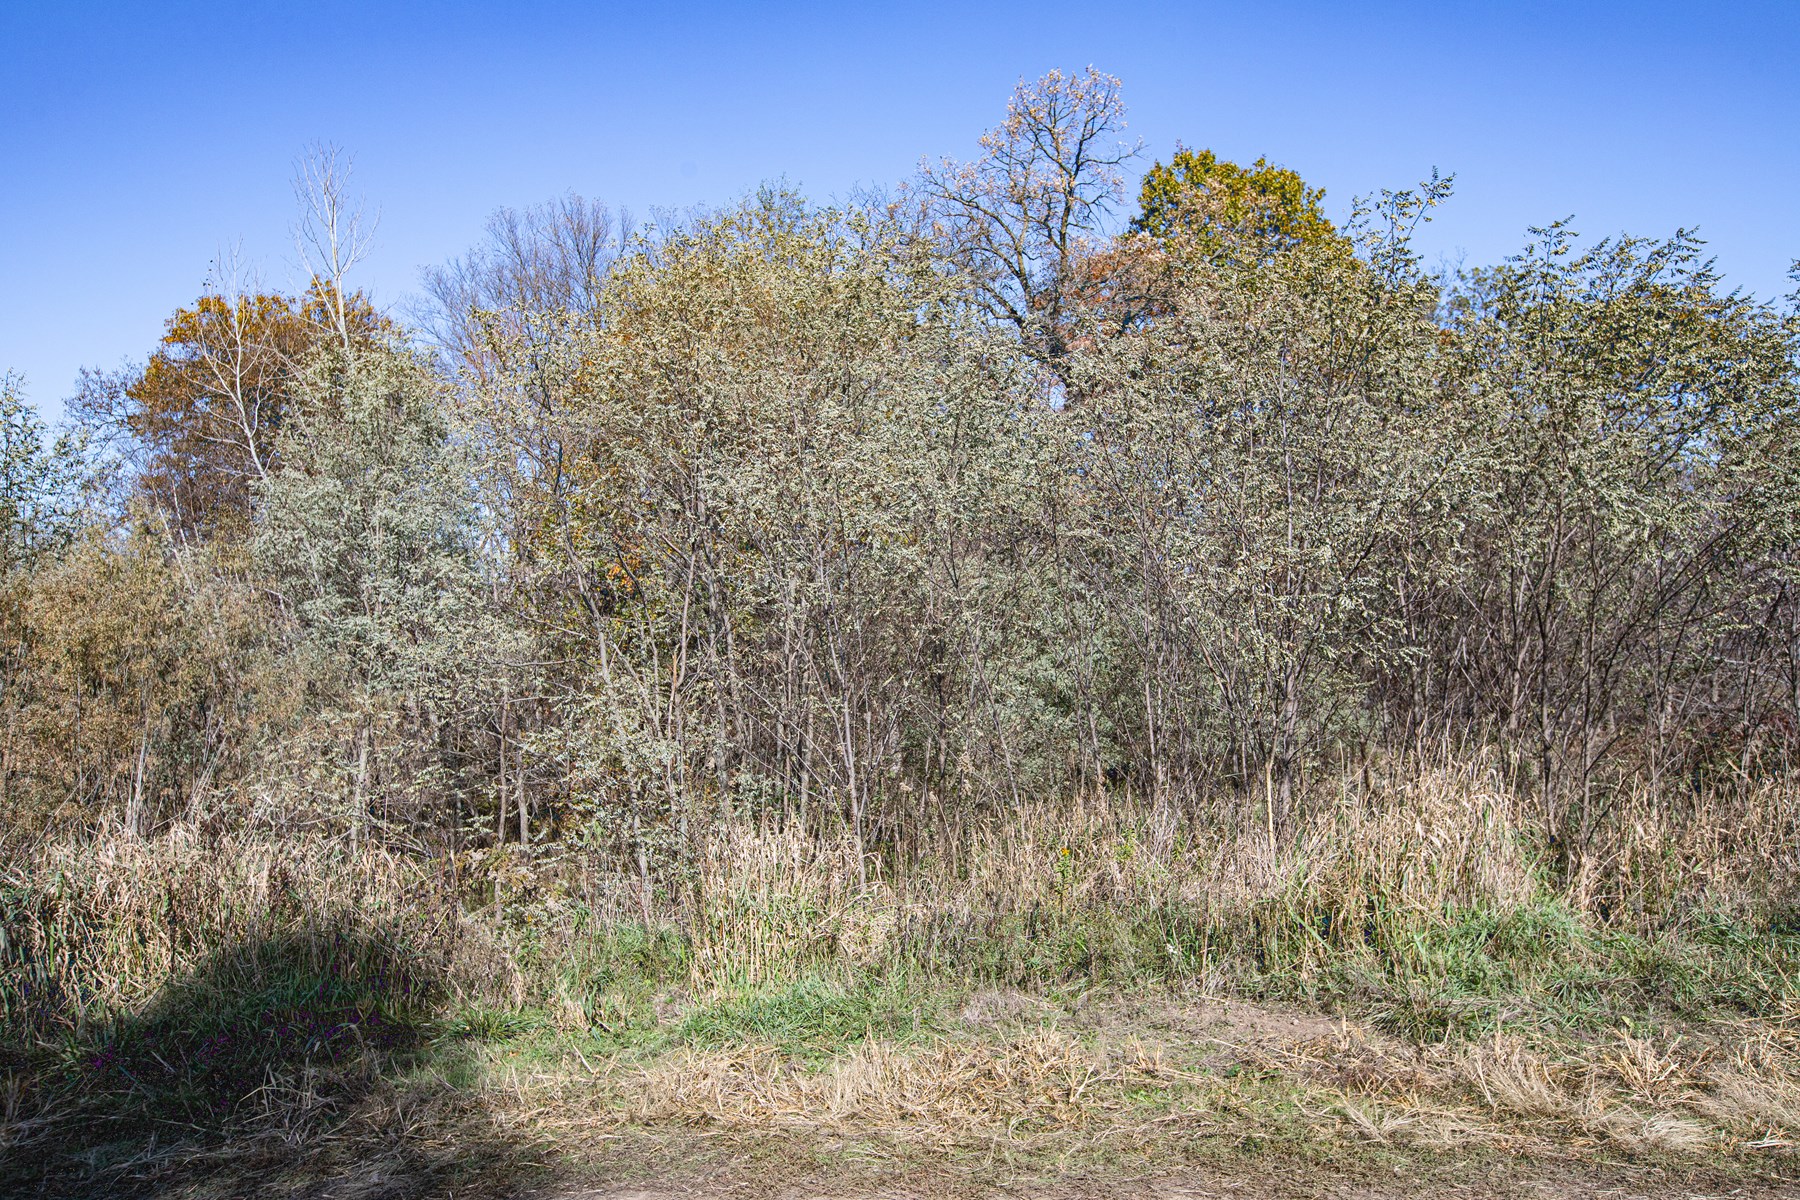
[1092,983]
[1042,1080]
[1237,1074]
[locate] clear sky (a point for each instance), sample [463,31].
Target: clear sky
[137,140]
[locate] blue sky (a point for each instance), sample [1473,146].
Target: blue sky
[138,140]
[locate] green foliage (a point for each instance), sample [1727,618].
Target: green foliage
[1633,436]
[1218,209]
[38,508]
[367,539]
[369,534]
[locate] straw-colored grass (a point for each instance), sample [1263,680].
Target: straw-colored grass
[1043,1079]
[1447,985]
[98,928]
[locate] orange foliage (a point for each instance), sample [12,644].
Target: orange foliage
[209,403]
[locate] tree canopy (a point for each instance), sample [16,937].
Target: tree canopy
[889,513]
[1221,208]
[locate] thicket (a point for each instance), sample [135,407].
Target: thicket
[967,581]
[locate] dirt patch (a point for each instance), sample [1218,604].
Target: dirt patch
[1235,1023]
[1443,1180]
[989,1007]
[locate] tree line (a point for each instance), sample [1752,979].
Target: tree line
[898,515]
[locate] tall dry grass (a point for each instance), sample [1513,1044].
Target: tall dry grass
[1367,869]
[1426,880]
[101,926]
[1433,842]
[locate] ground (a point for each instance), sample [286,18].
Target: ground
[1156,1096]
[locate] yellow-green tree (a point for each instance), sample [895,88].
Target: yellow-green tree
[1220,208]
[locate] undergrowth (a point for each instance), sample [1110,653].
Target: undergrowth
[208,989]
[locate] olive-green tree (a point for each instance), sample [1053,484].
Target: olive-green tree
[368,544]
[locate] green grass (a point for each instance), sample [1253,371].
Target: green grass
[317,1014]
[815,1016]
[1539,969]
[1423,976]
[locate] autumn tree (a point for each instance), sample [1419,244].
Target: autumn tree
[198,424]
[1019,219]
[1220,208]
[127,690]
[784,436]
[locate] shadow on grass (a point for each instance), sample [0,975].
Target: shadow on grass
[309,1064]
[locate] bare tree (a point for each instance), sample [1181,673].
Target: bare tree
[332,234]
[232,357]
[533,267]
[1019,218]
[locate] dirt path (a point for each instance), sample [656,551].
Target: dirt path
[1529,1184]
[1425,1177]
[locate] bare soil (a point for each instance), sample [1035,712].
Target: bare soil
[1444,1180]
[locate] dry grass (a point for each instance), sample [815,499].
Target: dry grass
[1039,1086]
[1734,851]
[763,905]
[1362,868]
[98,927]
[1020,918]
[777,900]
[1041,1080]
